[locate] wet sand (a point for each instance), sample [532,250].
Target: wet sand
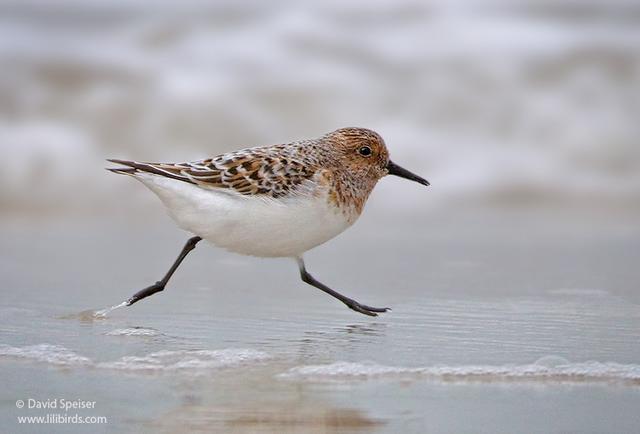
[501,322]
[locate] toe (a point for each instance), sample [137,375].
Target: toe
[366,310]
[375,309]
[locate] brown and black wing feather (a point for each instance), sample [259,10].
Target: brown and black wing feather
[257,171]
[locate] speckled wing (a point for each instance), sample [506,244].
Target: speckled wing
[257,171]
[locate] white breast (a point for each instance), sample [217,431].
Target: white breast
[250,225]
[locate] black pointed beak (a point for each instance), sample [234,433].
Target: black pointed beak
[396,170]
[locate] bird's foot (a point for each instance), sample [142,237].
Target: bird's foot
[364,309]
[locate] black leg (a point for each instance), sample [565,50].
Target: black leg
[351,303]
[159,286]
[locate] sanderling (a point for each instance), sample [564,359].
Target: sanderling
[272,201]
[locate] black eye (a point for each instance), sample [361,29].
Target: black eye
[365,151]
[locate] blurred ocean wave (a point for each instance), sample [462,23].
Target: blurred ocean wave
[507,102]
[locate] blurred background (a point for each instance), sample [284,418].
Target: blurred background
[498,103]
[518,264]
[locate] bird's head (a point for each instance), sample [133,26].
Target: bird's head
[364,153]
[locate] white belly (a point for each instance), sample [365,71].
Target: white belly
[247,224]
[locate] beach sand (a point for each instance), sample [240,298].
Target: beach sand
[502,322]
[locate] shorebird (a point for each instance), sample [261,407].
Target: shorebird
[272,201]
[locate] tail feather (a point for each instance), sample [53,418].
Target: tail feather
[135,167]
[122,171]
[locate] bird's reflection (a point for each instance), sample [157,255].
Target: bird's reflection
[375,329]
[340,341]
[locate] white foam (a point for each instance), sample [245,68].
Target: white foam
[192,361]
[47,353]
[187,360]
[134,331]
[554,369]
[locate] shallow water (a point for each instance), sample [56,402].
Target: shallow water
[501,322]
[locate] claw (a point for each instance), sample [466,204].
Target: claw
[375,309]
[367,310]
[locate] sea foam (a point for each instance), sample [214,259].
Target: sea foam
[187,360]
[541,371]
[135,331]
[46,353]
[167,360]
